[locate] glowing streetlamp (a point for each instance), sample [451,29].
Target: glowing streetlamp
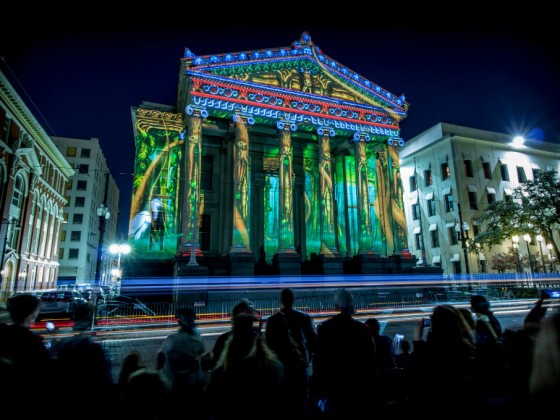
[549,246]
[527,239]
[462,229]
[116,273]
[540,239]
[104,214]
[515,240]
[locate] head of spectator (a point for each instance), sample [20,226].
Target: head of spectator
[244,306]
[186,318]
[287,298]
[24,308]
[374,326]
[344,301]
[480,305]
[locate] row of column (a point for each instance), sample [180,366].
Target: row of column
[241,172]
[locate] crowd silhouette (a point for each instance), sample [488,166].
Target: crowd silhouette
[288,367]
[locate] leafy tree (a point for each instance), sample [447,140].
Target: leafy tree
[503,262]
[534,209]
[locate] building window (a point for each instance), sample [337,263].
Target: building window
[78,219]
[491,197]
[456,267]
[60,253]
[71,151]
[80,202]
[435,238]
[204,231]
[81,185]
[412,181]
[452,235]
[83,168]
[445,172]
[483,268]
[76,235]
[521,177]
[65,217]
[472,200]
[62,235]
[536,173]
[467,163]
[418,240]
[415,211]
[73,253]
[17,194]
[85,153]
[504,172]
[507,195]
[428,177]
[475,229]
[448,202]
[68,185]
[487,170]
[431,207]
[206,173]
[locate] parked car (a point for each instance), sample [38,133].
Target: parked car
[60,302]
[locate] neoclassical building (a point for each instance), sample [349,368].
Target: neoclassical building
[278,160]
[33,176]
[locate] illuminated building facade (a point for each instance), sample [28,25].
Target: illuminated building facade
[450,167]
[279,160]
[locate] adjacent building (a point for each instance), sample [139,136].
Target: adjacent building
[33,176]
[450,175]
[90,215]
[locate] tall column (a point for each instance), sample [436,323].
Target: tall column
[241,173]
[365,238]
[328,239]
[286,184]
[193,161]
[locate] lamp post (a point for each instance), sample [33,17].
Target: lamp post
[549,246]
[462,229]
[527,239]
[5,222]
[119,250]
[515,240]
[104,214]
[540,239]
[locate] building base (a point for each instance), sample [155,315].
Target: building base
[287,263]
[328,264]
[241,264]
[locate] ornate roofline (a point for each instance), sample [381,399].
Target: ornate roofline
[302,49]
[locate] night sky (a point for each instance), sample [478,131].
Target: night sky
[80,78]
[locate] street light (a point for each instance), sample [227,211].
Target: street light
[5,222]
[527,239]
[104,214]
[540,238]
[549,246]
[515,240]
[462,229]
[119,250]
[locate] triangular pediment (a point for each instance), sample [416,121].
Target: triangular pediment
[301,69]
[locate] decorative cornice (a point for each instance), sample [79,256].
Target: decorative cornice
[23,115]
[302,54]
